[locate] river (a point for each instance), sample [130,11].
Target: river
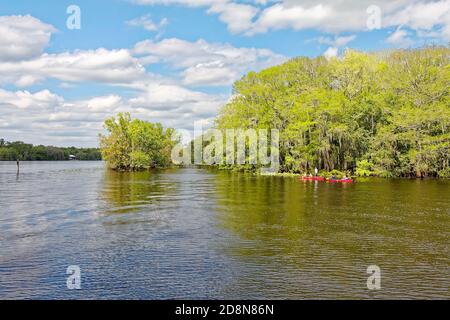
[207,234]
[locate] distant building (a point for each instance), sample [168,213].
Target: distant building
[72,157]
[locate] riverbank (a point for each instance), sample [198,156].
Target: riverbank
[329,174]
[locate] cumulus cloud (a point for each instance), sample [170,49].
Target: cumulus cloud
[280,16]
[176,106]
[204,63]
[25,100]
[199,63]
[348,15]
[263,16]
[101,65]
[210,73]
[254,17]
[105,103]
[43,116]
[238,17]
[23,37]
[28,116]
[421,15]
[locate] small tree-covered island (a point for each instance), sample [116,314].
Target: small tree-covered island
[136,144]
[366,114]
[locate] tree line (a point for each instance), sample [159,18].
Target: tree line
[383,113]
[18,150]
[367,114]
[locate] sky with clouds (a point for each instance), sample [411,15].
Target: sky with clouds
[174,61]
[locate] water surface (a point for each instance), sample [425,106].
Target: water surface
[205,234]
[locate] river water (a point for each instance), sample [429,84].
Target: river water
[206,234]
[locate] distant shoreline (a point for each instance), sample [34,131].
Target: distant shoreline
[14,161]
[18,150]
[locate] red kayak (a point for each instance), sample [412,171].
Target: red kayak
[313,178]
[340,180]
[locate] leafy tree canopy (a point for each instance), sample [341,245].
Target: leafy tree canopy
[134,144]
[385,113]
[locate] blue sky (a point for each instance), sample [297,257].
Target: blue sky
[174,61]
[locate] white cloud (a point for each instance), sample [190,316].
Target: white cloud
[199,63]
[26,100]
[400,38]
[350,15]
[101,65]
[238,17]
[161,95]
[421,15]
[23,37]
[204,63]
[176,106]
[147,23]
[28,116]
[331,16]
[326,15]
[336,41]
[190,3]
[280,16]
[105,103]
[44,117]
[209,73]
[425,17]
[331,52]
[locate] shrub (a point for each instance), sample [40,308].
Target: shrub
[364,168]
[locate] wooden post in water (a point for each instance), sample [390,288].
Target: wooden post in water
[18,166]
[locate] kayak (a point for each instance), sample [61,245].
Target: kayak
[329,180]
[313,178]
[341,180]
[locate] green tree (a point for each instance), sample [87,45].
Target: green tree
[385,113]
[136,144]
